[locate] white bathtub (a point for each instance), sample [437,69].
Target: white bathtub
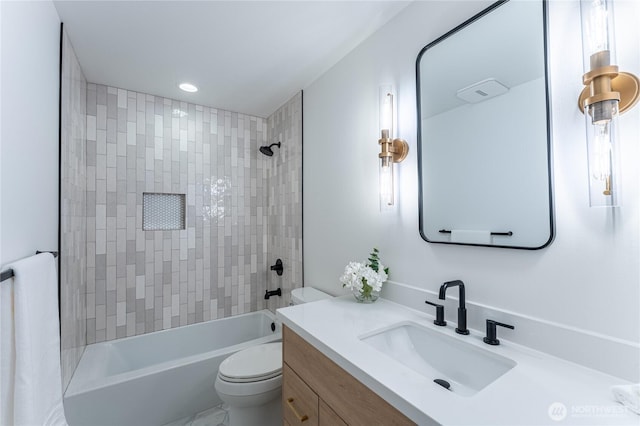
[156,378]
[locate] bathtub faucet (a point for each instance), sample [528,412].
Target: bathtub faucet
[268,294]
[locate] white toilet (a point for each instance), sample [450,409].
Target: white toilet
[250,381]
[306,295]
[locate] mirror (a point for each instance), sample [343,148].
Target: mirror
[484,133]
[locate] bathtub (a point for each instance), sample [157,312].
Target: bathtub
[160,377]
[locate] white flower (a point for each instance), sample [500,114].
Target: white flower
[355,272]
[352,277]
[381,272]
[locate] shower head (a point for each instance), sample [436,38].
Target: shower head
[266,150]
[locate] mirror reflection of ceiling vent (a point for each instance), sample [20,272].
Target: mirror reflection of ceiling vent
[482,90]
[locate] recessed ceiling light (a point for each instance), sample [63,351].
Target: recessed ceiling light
[188,87]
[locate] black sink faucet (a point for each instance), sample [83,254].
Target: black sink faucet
[462,311]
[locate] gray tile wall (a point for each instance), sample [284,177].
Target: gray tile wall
[73,221]
[284,200]
[142,281]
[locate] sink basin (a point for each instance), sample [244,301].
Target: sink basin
[467,368]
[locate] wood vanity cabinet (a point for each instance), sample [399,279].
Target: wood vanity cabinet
[317,392]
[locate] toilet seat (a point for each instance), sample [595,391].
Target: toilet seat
[254,364]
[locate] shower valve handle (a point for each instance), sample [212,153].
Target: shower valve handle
[278,267]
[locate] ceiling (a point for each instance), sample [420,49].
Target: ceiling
[481,51]
[245,56]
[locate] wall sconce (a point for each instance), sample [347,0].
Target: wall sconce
[391,150]
[607,93]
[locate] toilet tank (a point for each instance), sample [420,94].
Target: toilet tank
[306,295]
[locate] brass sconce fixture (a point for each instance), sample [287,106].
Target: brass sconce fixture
[392,150]
[608,92]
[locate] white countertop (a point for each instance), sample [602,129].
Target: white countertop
[522,396]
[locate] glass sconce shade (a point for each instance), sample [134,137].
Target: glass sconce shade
[391,150]
[386,137]
[598,43]
[386,183]
[600,101]
[604,188]
[386,111]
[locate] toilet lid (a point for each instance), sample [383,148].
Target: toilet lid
[253,364]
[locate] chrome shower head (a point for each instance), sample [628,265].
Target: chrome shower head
[266,150]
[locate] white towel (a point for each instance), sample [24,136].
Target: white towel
[470,237]
[37,381]
[7,353]
[628,395]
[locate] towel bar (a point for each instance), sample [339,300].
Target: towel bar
[506,234]
[5,275]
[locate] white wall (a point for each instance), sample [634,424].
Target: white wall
[29,142]
[587,278]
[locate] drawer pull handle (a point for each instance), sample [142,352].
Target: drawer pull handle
[300,418]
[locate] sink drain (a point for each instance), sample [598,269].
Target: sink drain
[442,383]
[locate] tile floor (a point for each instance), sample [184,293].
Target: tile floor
[216,416]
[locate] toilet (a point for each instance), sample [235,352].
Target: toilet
[307,294]
[250,381]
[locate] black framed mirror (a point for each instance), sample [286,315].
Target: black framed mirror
[484,137]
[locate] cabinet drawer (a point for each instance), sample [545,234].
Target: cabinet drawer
[300,402]
[328,417]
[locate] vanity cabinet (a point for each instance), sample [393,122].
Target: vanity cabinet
[317,392]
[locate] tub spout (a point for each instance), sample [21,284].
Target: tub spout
[268,294]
